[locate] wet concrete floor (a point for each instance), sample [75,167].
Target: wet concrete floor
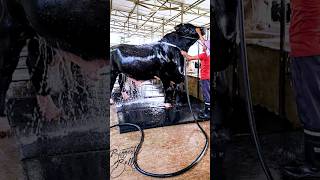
[242,162]
[165,149]
[281,145]
[10,167]
[146,107]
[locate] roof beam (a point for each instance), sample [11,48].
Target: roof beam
[159,21]
[179,14]
[134,7]
[152,14]
[141,17]
[179,3]
[132,29]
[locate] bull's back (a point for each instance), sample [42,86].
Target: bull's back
[78,26]
[137,61]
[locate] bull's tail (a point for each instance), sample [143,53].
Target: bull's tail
[114,67]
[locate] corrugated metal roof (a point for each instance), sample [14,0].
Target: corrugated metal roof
[147,18]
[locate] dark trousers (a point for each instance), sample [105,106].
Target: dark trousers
[205,89]
[306,82]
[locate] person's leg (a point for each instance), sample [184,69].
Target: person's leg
[306,82]
[204,94]
[205,88]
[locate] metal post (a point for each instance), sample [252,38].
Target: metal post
[198,77]
[182,9]
[110,6]
[163,27]
[282,71]
[151,33]
[137,15]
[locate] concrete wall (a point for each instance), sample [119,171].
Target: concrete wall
[264,77]
[193,87]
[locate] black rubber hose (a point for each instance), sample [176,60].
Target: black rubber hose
[167,175]
[249,107]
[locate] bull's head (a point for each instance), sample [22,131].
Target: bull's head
[188,30]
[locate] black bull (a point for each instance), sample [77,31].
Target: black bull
[76,26]
[224,33]
[162,59]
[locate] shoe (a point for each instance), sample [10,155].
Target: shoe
[202,110]
[301,172]
[206,113]
[310,169]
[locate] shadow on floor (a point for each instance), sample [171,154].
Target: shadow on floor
[281,144]
[146,108]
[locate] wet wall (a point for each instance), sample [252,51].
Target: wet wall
[75,146]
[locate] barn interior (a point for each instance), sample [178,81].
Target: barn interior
[266,24]
[170,147]
[168,132]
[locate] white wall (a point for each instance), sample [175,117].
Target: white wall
[115,38]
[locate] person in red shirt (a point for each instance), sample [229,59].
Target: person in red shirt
[305,57]
[204,57]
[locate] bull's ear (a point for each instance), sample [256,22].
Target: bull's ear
[176,28]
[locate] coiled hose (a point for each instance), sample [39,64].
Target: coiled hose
[249,107]
[167,175]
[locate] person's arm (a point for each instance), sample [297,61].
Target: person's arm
[198,30]
[188,57]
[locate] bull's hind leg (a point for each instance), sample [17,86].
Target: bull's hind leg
[122,80]
[10,48]
[113,78]
[39,57]
[168,93]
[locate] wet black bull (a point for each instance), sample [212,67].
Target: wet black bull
[223,33]
[224,45]
[161,59]
[74,26]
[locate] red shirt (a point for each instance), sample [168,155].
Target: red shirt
[205,66]
[305,28]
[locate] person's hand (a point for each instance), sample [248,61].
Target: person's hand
[198,30]
[184,53]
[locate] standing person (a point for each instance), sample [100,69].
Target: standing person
[305,56]
[204,57]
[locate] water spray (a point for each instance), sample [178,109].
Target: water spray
[137,150]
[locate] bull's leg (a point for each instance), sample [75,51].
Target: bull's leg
[5,79]
[122,80]
[168,93]
[113,78]
[10,49]
[37,62]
